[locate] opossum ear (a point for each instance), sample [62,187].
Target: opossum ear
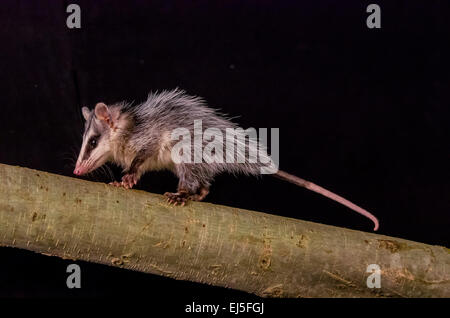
[102,112]
[86,112]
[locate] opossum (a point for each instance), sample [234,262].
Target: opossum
[140,138]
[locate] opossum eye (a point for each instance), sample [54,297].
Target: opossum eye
[93,142]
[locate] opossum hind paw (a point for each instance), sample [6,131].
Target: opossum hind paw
[177,198]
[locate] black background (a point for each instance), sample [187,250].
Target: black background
[361,111]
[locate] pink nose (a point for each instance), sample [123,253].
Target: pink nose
[78,170]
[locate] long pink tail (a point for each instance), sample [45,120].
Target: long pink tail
[314,187]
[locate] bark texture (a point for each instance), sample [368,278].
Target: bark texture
[259,253]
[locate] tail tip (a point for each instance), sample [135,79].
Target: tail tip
[376,226]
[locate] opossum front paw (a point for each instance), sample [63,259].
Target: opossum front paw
[177,198]
[129,180]
[116,183]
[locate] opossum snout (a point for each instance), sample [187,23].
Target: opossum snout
[79,170]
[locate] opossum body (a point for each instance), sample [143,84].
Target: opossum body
[139,139]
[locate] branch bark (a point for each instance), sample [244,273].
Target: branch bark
[259,253]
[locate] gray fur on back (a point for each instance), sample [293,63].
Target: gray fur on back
[163,112]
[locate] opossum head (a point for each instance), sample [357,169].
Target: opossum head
[96,146]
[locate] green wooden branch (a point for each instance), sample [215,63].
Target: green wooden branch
[259,253]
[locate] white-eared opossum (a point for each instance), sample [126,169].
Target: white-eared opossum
[140,139]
